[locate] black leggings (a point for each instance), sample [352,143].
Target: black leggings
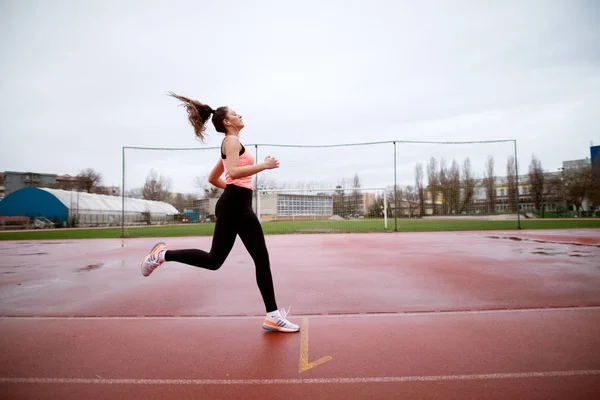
[234,217]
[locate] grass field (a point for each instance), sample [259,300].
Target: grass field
[287,227]
[551,214]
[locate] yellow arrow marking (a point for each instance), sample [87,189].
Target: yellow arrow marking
[304,364]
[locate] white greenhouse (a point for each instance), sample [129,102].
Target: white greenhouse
[85,209]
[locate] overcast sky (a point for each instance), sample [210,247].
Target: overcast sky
[81,79]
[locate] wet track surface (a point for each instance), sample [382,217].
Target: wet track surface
[435,315]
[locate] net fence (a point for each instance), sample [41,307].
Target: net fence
[380,186]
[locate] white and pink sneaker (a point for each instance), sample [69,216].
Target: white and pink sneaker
[152,260]
[279,323]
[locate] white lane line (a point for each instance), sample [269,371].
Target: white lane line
[359,315]
[394,379]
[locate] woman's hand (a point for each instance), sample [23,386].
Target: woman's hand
[271,162]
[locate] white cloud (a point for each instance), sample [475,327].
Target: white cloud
[84,79]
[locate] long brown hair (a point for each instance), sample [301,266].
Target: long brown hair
[199,113]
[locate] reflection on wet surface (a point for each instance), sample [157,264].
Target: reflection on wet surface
[541,241]
[90,267]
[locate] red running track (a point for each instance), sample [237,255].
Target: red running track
[77,319]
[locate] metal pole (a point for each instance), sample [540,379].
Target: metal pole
[385,219]
[258,208]
[256,181]
[517,184]
[395,193]
[123,197]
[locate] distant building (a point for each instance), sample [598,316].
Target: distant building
[586,205]
[14,181]
[205,207]
[282,206]
[595,156]
[1,185]
[576,163]
[108,190]
[480,203]
[67,182]
[299,205]
[11,181]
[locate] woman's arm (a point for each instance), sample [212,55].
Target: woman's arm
[215,175]
[232,151]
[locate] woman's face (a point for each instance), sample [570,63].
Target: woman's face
[235,119]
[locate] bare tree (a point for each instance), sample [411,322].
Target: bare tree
[267,183]
[89,179]
[356,181]
[420,188]
[339,200]
[489,183]
[594,191]
[348,202]
[157,187]
[376,210]
[135,193]
[468,186]
[264,184]
[511,183]
[444,186]
[536,182]
[391,206]
[449,187]
[454,188]
[356,198]
[207,189]
[182,201]
[553,189]
[577,184]
[433,183]
[410,198]
[399,211]
[389,193]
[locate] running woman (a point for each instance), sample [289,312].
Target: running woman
[233,210]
